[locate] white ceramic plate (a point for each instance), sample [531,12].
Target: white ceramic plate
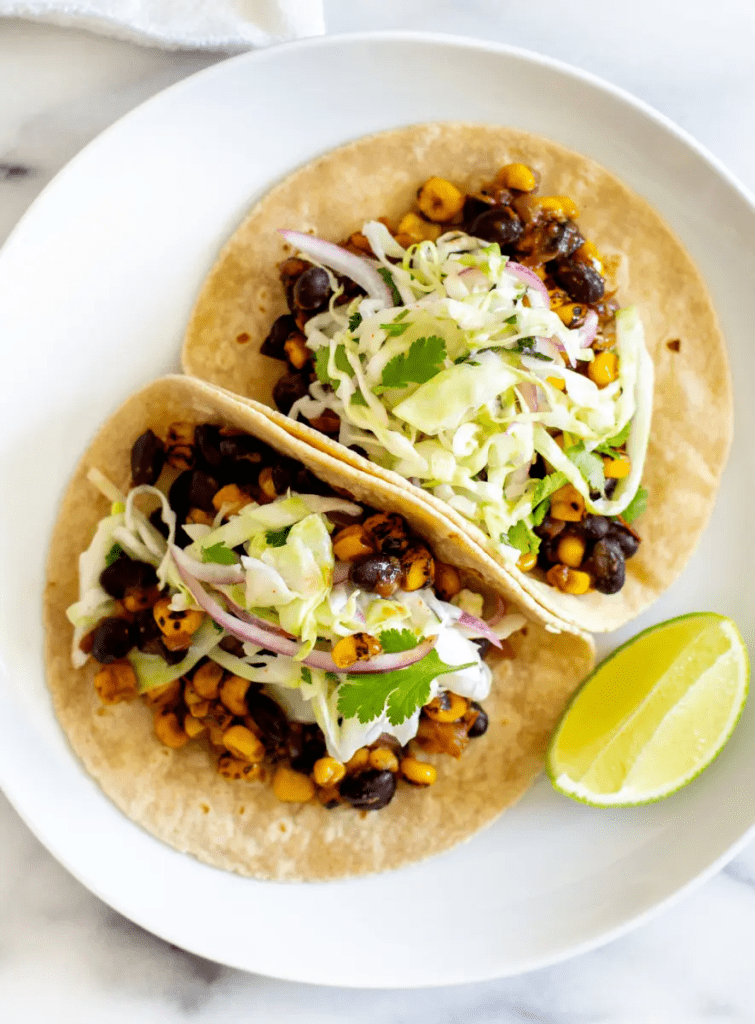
[95,287]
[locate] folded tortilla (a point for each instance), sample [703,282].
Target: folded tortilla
[378,176]
[178,796]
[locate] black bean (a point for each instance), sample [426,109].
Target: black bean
[480,725]
[273,344]
[548,552]
[626,539]
[483,644]
[312,289]
[593,527]
[370,790]
[178,495]
[550,527]
[112,640]
[171,657]
[288,389]
[207,442]
[241,446]
[146,633]
[581,280]
[611,484]
[283,473]
[499,224]
[124,574]
[537,469]
[560,239]
[156,518]
[269,716]
[358,450]
[606,566]
[474,205]
[379,573]
[305,482]
[308,747]
[147,458]
[202,489]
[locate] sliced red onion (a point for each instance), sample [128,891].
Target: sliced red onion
[530,278]
[251,632]
[256,620]
[341,572]
[549,348]
[529,394]
[341,261]
[589,329]
[474,277]
[498,612]
[212,572]
[475,625]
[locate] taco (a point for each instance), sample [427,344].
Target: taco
[279,664]
[493,345]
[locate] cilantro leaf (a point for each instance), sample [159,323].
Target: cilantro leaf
[219,553]
[540,511]
[354,321]
[521,537]
[548,485]
[609,447]
[113,554]
[395,330]
[420,364]
[393,641]
[637,505]
[388,278]
[306,675]
[405,690]
[526,347]
[589,464]
[358,399]
[277,538]
[341,361]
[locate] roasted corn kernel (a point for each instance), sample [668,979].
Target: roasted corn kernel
[199,516]
[447,581]
[618,468]
[193,727]
[179,445]
[571,314]
[352,543]
[439,200]
[526,562]
[231,767]
[383,759]
[243,743]
[267,484]
[206,680]
[358,760]
[447,707]
[417,229]
[328,772]
[557,382]
[567,504]
[357,647]
[419,772]
[292,787]
[517,176]
[603,369]
[233,498]
[571,551]
[328,423]
[232,693]
[186,621]
[162,696]
[570,581]
[388,532]
[198,706]
[417,568]
[297,353]
[116,682]
[168,729]
[559,204]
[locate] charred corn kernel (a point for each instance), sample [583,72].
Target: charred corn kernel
[517,176]
[556,382]
[168,729]
[387,531]
[198,706]
[243,743]
[172,622]
[358,760]
[116,682]
[231,767]
[179,445]
[567,504]
[361,242]
[296,350]
[357,647]
[352,543]
[617,469]
[206,680]
[137,598]
[603,369]
[526,562]
[219,715]
[571,551]
[198,515]
[448,707]
[439,200]
[233,498]
[267,484]
[292,787]
[560,441]
[570,581]
[329,796]
[571,314]
[417,568]
[193,727]
[589,252]
[419,772]
[383,759]
[232,693]
[447,581]
[417,229]
[328,772]
[162,696]
[559,204]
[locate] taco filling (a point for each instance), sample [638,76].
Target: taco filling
[477,350]
[300,637]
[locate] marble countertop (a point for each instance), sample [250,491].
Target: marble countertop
[64,955]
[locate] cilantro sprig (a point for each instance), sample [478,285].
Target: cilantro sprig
[636,506]
[113,554]
[219,553]
[277,538]
[526,347]
[417,366]
[341,360]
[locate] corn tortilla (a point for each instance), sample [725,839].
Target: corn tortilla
[378,176]
[178,796]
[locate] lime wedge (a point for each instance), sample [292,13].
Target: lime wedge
[653,715]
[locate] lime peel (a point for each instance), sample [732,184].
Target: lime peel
[653,715]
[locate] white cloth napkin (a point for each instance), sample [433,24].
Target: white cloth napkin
[209,24]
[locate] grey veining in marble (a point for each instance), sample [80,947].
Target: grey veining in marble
[64,955]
